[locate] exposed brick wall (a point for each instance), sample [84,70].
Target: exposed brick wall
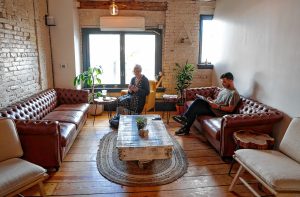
[25,63]
[181,20]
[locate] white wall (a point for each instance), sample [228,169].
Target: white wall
[259,42]
[65,42]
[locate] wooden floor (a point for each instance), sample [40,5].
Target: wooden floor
[79,176]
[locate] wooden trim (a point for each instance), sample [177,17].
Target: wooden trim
[29,185]
[132,5]
[255,176]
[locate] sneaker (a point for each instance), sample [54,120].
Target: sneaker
[180,119]
[182,131]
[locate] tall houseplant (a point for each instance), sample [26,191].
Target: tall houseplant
[184,77]
[90,78]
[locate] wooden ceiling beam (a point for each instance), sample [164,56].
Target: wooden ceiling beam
[122,5]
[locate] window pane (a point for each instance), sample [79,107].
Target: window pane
[105,51]
[139,49]
[207,41]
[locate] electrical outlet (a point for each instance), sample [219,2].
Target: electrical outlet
[63,66]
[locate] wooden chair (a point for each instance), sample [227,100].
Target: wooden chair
[278,171]
[17,174]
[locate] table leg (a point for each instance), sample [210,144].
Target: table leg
[95,114]
[231,165]
[109,111]
[168,117]
[141,163]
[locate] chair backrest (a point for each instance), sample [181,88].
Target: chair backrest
[290,144]
[10,146]
[152,85]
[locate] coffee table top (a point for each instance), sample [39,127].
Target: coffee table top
[253,140]
[105,100]
[128,135]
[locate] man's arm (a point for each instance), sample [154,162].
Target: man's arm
[229,108]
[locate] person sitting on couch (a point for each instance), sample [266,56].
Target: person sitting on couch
[225,103]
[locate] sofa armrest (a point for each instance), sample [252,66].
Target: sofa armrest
[241,120]
[70,96]
[40,141]
[190,93]
[261,122]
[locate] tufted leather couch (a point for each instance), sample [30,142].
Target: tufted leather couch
[248,115]
[48,123]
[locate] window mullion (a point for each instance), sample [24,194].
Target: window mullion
[122,56]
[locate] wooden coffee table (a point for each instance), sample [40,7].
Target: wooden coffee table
[132,147]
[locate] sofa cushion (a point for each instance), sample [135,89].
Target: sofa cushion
[275,168]
[290,142]
[17,173]
[67,131]
[212,125]
[73,107]
[65,116]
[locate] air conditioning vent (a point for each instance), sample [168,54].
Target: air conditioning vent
[122,23]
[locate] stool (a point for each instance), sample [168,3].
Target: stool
[251,140]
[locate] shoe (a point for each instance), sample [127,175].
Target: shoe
[182,131]
[180,119]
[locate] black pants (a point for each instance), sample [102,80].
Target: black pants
[197,108]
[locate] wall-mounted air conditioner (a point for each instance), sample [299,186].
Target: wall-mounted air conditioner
[122,23]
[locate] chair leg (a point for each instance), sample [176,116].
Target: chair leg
[42,190]
[236,178]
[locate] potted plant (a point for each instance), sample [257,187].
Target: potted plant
[90,78]
[141,122]
[184,77]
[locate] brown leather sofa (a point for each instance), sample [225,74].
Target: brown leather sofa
[48,123]
[248,115]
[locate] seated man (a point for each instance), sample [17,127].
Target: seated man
[225,103]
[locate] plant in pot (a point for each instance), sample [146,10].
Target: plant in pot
[184,77]
[141,122]
[90,78]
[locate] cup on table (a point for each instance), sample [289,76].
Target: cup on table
[104,93]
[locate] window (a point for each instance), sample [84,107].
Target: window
[206,38]
[118,52]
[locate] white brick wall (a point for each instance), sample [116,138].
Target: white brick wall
[24,50]
[181,20]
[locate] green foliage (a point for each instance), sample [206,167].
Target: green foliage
[141,122]
[90,78]
[184,77]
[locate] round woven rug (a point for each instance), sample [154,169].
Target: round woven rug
[157,172]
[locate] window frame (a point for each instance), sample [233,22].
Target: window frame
[202,18]
[86,53]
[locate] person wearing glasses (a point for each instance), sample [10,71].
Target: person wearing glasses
[138,89]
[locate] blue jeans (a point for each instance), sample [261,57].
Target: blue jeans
[197,108]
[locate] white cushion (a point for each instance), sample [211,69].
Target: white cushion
[16,173]
[290,144]
[10,145]
[276,169]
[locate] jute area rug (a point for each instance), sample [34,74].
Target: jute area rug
[157,172]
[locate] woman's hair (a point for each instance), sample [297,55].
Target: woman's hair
[137,66]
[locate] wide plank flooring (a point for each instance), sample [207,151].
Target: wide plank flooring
[79,176]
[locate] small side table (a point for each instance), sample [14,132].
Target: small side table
[108,101]
[169,99]
[251,140]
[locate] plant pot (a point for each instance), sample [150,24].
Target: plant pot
[98,111]
[180,109]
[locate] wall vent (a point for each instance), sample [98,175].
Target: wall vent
[122,23]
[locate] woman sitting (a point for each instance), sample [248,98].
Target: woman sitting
[138,89]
